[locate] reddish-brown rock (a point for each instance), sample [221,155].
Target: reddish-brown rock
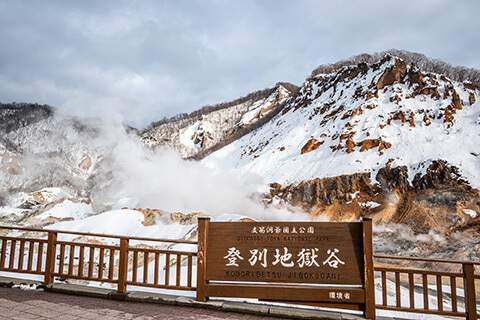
[434,201]
[86,163]
[471,98]
[415,77]
[384,145]
[426,121]
[432,91]
[350,145]
[394,74]
[372,94]
[311,145]
[399,115]
[456,103]
[368,144]
[411,120]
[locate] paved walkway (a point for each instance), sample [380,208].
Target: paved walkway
[76,302]
[20,304]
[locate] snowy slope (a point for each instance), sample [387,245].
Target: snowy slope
[360,119]
[98,163]
[191,135]
[53,150]
[357,119]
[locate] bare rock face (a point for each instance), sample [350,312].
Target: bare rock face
[86,163]
[324,192]
[393,74]
[311,145]
[439,173]
[393,179]
[154,216]
[456,103]
[471,98]
[150,216]
[436,200]
[187,219]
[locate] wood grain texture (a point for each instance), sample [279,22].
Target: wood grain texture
[241,252]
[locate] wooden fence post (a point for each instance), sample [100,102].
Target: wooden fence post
[50,258]
[202,257]
[469,287]
[123,266]
[369,269]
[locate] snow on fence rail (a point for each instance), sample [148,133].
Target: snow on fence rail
[81,256]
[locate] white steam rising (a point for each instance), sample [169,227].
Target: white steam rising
[125,173]
[404,232]
[141,177]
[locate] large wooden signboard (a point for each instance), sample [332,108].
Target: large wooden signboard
[319,263]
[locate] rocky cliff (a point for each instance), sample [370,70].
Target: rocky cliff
[383,139]
[195,134]
[438,200]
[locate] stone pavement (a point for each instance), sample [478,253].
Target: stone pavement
[64,301]
[20,304]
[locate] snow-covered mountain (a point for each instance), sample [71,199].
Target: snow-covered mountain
[379,138]
[360,119]
[384,140]
[102,165]
[195,134]
[40,147]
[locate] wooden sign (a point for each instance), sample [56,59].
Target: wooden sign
[287,252]
[318,263]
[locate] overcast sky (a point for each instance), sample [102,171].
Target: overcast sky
[148,59]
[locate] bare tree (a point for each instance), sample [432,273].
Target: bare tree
[421,61]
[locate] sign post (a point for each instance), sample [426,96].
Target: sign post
[327,264]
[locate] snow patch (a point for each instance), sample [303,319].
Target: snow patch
[26,287]
[470,212]
[68,209]
[369,204]
[123,222]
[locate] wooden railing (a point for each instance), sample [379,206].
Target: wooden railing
[432,288]
[415,287]
[44,252]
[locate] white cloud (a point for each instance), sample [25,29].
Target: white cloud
[167,57]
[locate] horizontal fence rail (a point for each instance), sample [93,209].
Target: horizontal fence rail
[422,290]
[147,264]
[433,286]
